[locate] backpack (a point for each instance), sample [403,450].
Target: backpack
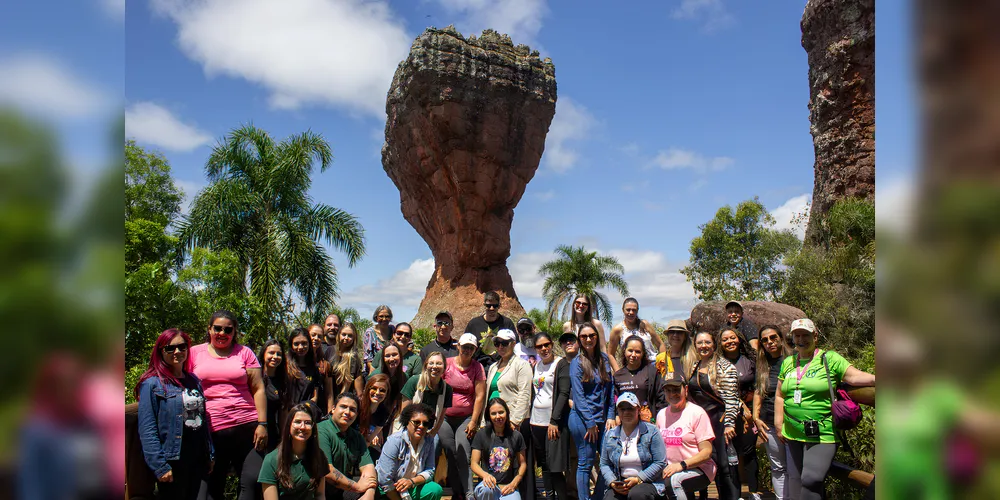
[846,411]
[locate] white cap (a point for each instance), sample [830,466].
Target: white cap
[468,339]
[803,324]
[506,334]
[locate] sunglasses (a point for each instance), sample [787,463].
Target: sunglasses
[771,338]
[174,348]
[404,334]
[547,345]
[426,424]
[220,329]
[443,323]
[501,343]
[581,304]
[588,336]
[492,306]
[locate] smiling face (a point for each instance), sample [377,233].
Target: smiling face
[676,396]
[498,415]
[175,353]
[734,314]
[581,305]
[570,347]
[771,340]
[676,339]
[631,311]
[418,426]
[634,352]
[505,348]
[272,356]
[466,351]
[383,317]
[344,413]
[730,342]
[378,392]
[331,327]
[704,344]
[346,339]
[316,335]
[300,345]
[805,341]
[403,334]
[391,357]
[434,366]
[222,331]
[544,349]
[442,327]
[492,309]
[301,426]
[588,338]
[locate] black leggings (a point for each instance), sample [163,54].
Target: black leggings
[746,448]
[249,487]
[189,481]
[555,482]
[231,448]
[724,481]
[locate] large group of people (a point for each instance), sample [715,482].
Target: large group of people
[634,415]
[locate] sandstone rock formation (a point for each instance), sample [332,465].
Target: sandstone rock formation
[710,316]
[467,119]
[839,38]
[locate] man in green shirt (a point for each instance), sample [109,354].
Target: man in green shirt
[345,448]
[412,364]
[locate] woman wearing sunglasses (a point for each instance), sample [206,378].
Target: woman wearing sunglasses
[583,314]
[510,379]
[235,398]
[769,358]
[173,425]
[550,417]
[407,461]
[593,408]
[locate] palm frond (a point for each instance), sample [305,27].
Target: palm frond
[338,229]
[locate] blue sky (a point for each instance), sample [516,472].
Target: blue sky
[667,110]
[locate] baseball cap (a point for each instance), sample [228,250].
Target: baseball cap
[803,324]
[445,313]
[506,334]
[525,321]
[628,397]
[677,380]
[468,339]
[567,337]
[676,325]
[733,303]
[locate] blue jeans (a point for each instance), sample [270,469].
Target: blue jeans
[483,492]
[586,458]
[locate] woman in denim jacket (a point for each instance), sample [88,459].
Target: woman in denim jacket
[173,424]
[633,455]
[406,466]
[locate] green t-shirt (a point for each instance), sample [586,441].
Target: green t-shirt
[815,404]
[494,391]
[269,475]
[412,364]
[345,451]
[429,398]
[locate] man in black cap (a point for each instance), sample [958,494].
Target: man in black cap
[743,325]
[443,341]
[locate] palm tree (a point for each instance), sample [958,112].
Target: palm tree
[257,206]
[577,271]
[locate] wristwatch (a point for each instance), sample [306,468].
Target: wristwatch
[262,423]
[684,465]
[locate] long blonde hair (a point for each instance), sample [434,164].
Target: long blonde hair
[346,359]
[692,358]
[424,382]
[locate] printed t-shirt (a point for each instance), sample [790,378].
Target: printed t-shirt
[226,385]
[544,382]
[528,354]
[816,404]
[478,326]
[428,397]
[499,454]
[463,384]
[194,440]
[682,431]
[300,479]
[641,383]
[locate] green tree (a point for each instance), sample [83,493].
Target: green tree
[577,271]
[545,323]
[739,255]
[257,207]
[150,192]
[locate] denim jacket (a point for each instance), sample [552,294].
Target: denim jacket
[161,423]
[593,400]
[652,454]
[395,459]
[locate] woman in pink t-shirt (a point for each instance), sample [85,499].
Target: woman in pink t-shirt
[467,379]
[687,433]
[234,398]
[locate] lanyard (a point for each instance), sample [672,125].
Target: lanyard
[800,371]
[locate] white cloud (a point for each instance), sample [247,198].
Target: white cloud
[340,53]
[38,83]
[115,9]
[784,215]
[545,195]
[676,159]
[405,290]
[713,13]
[524,272]
[895,204]
[521,19]
[663,292]
[571,123]
[151,123]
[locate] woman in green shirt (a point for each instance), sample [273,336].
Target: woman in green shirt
[296,468]
[804,398]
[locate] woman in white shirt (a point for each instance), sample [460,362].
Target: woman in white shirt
[550,416]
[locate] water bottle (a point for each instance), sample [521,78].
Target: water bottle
[405,495]
[731,454]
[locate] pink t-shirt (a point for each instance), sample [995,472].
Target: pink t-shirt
[463,385]
[683,431]
[227,391]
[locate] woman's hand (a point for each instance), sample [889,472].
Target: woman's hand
[168,477]
[553,432]
[592,434]
[376,440]
[470,430]
[490,481]
[260,437]
[761,426]
[632,482]
[403,484]
[730,433]
[619,487]
[610,424]
[508,488]
[671,470]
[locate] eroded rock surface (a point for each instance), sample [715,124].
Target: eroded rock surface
[839,38]
[466,126]
[710,316]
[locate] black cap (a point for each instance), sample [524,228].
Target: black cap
[444,313]
[525,321]
[677,379]
[566,337]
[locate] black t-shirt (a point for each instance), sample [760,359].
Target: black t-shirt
[354,371]
[767,403]
[747,371]
[194,437]
[498,454]
[449,350]
[272,389]
[746,327]
[477,326]
[645,384]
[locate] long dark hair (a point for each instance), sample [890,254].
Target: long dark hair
[764,359]
[635,338]
[508,427]
[365,411]
[296,370]
[398,379]
[744,347]
[312,460]
[638,320]
[322,365]
[597,361]
[279,373]
[158,367]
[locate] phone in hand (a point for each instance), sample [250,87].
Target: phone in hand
[617,484]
